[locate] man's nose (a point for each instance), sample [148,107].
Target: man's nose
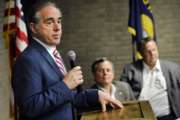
[104,71]
[151,53]
[57,26]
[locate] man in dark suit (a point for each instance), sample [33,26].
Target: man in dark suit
[155,80]
[103,74]
[43,88]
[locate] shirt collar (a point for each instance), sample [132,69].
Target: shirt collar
[49,48]
[156,67]
[113,90]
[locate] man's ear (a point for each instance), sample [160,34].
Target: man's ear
[33,27]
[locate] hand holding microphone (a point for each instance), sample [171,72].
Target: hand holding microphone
[74,77]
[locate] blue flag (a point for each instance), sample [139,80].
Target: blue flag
[141,22]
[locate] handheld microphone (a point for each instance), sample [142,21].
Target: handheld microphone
[72,57]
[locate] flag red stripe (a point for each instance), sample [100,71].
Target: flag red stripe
[10,11]
[18,51]
[21,35]
[18,12]
[9,26]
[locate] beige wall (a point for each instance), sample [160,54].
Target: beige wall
[95,28]
[4,73]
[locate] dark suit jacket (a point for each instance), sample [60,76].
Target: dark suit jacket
[132,74]
[123,91]
[39,90]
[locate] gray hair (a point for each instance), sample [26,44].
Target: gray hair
[33,16]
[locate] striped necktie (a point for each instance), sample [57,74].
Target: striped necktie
[59,62]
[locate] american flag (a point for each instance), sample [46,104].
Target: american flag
[21,31]
[9,26]
[14,28]
[15,37]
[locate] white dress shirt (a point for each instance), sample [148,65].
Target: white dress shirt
[155,89]
[112,92]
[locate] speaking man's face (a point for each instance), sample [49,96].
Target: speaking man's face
[49,28]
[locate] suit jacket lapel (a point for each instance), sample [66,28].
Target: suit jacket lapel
[139,75]
[165,73]
[47,57]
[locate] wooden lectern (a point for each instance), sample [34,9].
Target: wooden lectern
[134,110]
